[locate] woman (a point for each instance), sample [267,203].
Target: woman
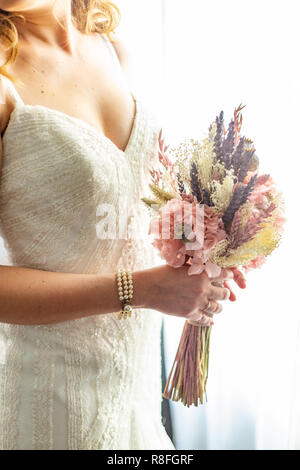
[73,376]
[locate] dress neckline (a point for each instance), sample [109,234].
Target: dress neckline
[19,104]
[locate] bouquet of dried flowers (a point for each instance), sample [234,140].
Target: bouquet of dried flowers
[212,210]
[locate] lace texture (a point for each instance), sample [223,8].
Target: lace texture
[92,383]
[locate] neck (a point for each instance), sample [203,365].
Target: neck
[50,24]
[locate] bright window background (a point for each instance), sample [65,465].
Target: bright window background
[193,59]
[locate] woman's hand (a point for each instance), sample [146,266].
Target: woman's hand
[240,281]
[174,292]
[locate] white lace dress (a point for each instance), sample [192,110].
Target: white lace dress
[92,383]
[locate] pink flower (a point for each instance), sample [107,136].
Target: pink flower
[279,222]
[249,175]
[255,263]
[168,230]
[173,251]
[264,185]
[214,228]
[184,230]
[261,202]
[212,270]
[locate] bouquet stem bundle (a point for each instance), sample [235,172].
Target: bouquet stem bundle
[188,376]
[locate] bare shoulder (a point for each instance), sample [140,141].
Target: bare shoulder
[125,57]
[121,47]
[4,115]
[6,105]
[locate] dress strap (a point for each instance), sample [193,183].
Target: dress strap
[12,91]
[116,59]
[111,48]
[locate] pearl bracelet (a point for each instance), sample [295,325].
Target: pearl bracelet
[125,289]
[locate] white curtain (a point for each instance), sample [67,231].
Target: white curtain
[194,59]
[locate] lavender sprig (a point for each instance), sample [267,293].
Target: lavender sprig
[180,184]
[228,145]
[245,165]
[207,198]
[249,188]
[240,196]
[195,185]
[219,136]
[236,160]
[235,203]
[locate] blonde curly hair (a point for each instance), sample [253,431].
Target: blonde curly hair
[87,15]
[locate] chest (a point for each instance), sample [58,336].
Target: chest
[67,193]
[95,91]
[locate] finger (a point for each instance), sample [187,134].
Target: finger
[207,314]
[212,307]
[239,278]
[218,284]
[200,319]
[225,274]
[218,293]
[232,296]
[200,315]
[200,323]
